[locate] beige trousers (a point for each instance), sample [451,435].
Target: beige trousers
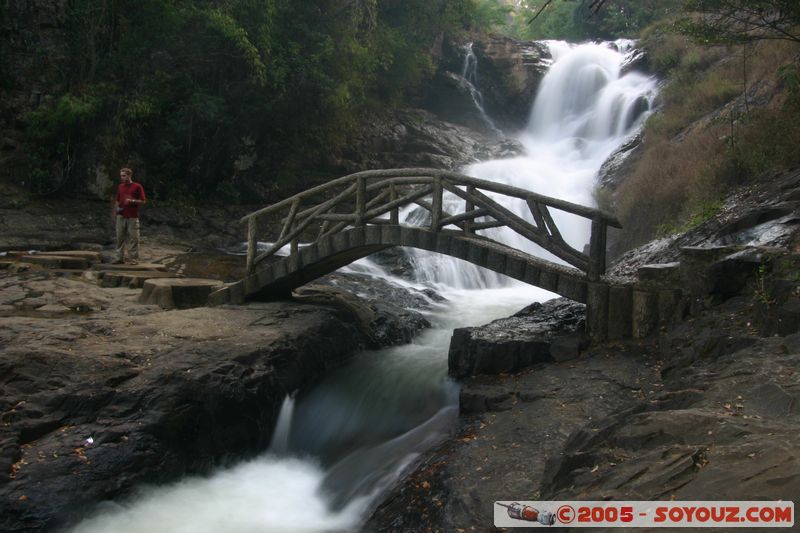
[127,236]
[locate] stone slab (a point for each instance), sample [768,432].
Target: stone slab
[139,266]
[133,279]
[180,293]
[92,257]
[56,261]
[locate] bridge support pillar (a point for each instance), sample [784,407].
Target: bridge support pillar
[620,312]
[597,311]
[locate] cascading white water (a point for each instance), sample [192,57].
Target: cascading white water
[584,110]
[339,446]
[469,77]
[280,435]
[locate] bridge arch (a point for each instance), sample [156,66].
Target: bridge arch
[358,214]
[279,278]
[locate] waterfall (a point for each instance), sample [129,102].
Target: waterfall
[361,427]
[280,437]
[469,78]
[583,111]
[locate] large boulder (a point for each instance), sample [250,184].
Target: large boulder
[537,334]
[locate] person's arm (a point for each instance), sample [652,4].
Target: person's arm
[142,198]
[138,191]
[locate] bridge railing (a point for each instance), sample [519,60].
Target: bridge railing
[367,197]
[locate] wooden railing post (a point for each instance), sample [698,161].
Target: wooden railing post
[361,200]
[469,206]
[597,249]
[436,204]
[252,243]
[395,214]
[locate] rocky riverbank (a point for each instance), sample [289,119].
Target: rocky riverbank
[703,408]
[101,394]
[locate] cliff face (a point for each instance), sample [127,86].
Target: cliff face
[510,75]
[32,48]
[507,74]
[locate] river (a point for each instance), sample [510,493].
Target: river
[337,448]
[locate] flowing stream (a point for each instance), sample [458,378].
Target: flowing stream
[338,447]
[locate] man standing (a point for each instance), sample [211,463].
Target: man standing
[130,196]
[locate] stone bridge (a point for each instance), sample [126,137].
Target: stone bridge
[351,217]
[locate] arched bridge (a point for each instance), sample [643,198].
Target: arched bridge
[351,217]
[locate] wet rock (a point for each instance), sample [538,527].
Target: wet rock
[511,344]
[510,73]
[635,60]
[147,399]
[385,313]
[620,163]
[418,138]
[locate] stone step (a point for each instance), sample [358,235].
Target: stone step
[92,257]
[56,261]
[180,293]
[121,267]
[133,279]
[65,272]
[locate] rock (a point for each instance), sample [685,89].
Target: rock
[507,76]
[665,275]
[384,313]
[53,310]
[635,60]
[129,267]
[178,293]
[56,261]
[418,138]
[162,395]
[729,276]
[133,279]
[89,255]
[511,344]
[565,348]
[620,163]
[510,73]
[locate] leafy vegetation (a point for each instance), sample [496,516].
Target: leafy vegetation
[195,93]
[729,114]
[580,20]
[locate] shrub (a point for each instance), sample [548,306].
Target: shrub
[707,137]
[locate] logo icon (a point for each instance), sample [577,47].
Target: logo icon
[517,511]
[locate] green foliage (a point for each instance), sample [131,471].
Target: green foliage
[177,85]
[710,134]
[576,20]
[696,215]
[557,21]
[740,21]
[762,292]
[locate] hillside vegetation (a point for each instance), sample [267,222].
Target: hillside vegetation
[729,114]
[193,93]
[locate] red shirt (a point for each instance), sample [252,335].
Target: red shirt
[129,190]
